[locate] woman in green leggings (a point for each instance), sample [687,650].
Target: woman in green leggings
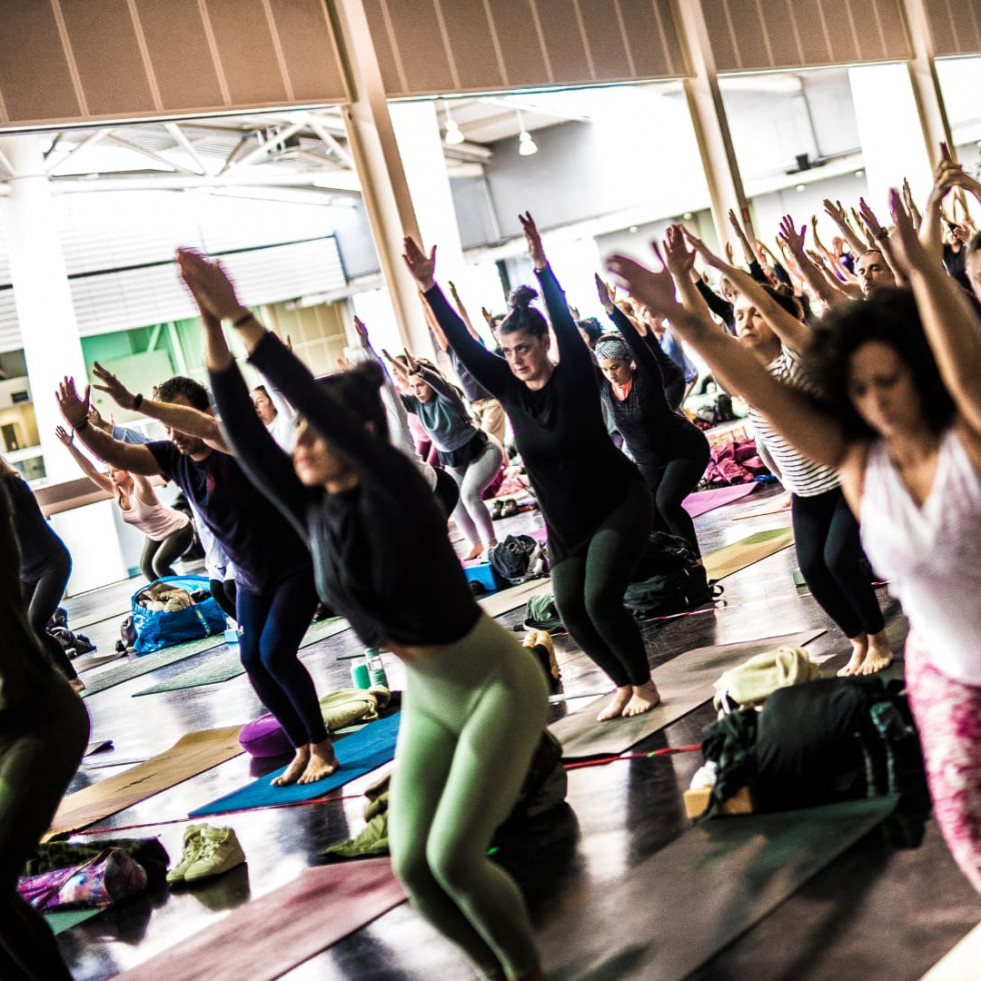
[43,732]
[476,701]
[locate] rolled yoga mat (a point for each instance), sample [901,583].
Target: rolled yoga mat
[725,561]
[268,937]
[685,682]
[701,502]
[190,755]
[681,906]
[360,753]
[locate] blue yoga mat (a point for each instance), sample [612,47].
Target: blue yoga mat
[360,753]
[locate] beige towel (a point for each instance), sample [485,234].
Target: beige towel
[751,683]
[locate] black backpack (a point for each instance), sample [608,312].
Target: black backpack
[510,559]
[669,579]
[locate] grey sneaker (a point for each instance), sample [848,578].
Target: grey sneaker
[192,849]
[220,852]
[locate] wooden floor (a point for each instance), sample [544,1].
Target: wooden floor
[873,913]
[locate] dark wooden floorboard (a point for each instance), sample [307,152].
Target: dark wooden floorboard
[874,913]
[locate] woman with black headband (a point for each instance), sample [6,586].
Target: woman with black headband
[671,453]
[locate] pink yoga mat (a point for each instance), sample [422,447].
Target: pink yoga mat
[268,937]
[702,501]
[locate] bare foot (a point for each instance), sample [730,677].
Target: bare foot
[879,656]
[643,699]
[322,762]
[615,709]
[295,770]
[860,650]
[474,553]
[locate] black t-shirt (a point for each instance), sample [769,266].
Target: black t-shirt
[40,547]
[262,545]
[577,472]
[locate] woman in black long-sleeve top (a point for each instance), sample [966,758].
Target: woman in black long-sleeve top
[596,505]
[670,452]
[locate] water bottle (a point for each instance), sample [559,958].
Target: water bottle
[376,670]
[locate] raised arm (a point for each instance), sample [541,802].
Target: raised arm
[184,418]
[949,321]
[378,464]
[462,310]
[491,371]
[794,241]
[791,331]
[836,213]
[881,236]
[84,463]
[736,368]
[126,456]
[568,341]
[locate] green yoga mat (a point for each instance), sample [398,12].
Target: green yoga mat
[725,561]
[222,667]
[64,919]
[681,906]
[685,682]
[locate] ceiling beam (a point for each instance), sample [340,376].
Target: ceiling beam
[185,144]
[149,154]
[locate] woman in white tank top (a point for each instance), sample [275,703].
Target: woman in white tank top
[901,378]
[169,532]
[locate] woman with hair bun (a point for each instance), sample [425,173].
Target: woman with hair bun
[596,505]
[475,701]
[671,453]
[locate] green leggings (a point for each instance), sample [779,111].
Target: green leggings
[472,716]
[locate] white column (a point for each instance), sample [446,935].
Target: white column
[893,143]
[926,84]
[708,116]
[52,347]
[384,188]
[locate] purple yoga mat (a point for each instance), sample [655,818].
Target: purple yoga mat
[272,935]
[702,501]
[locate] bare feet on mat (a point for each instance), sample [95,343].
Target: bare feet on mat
[474,553]
[617,704]
[295,770]
[860,650]
[879,655]
[322,763]
[642,699]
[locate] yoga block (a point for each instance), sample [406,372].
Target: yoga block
[481,572]
[231,635]
[740,803]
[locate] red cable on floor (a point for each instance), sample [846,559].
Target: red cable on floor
[690,748]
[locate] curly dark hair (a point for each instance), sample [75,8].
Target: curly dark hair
[195,393]
[357,390]
[889,316]
[523,316]
[592,328]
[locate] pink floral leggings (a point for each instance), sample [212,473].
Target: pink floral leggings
[948,717]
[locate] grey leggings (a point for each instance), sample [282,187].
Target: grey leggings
[471,514]
[472,716]
[158,556]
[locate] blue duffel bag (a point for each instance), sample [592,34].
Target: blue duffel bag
[158,629]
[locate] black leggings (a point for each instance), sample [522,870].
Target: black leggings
[589,588]
[670,485]
[42,596]
[225,596]
[272,626]
[833,564]
[156,561]
[39,755]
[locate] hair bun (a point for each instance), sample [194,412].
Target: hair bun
[521,297]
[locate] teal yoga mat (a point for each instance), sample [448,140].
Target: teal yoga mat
[360,753]
[681,906]
[65,919]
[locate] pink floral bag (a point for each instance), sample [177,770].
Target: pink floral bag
[106,879]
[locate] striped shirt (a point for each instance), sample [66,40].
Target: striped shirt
[798,474]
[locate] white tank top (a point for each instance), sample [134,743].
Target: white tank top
[931,554]
[154,520]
